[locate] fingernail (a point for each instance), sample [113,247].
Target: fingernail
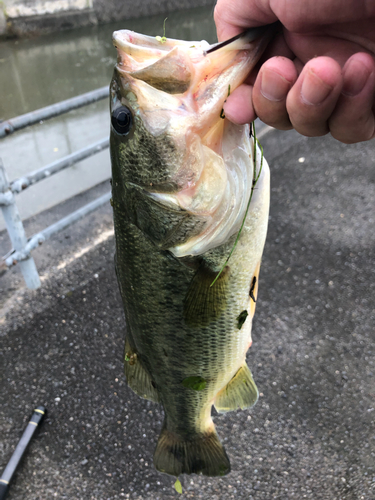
[355,78]
[273,86]
[314,90]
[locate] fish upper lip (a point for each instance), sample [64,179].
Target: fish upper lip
[124,39]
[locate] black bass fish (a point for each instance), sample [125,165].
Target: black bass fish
[182,179]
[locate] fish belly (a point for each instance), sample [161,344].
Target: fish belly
[169,349]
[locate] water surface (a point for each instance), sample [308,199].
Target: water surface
[41,71]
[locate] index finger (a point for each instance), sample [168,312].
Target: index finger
[234,16]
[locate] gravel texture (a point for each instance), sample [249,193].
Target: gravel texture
[311,435]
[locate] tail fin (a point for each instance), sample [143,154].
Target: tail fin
[203,454]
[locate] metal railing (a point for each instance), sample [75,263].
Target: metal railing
[22,247]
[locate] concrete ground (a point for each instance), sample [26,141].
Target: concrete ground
[311,435]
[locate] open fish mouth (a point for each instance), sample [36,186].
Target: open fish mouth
[162,65]
[177,89]
[171,65]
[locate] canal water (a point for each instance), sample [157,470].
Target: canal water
[41,71]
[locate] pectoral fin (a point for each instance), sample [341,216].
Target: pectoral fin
[137,378]
[240,392]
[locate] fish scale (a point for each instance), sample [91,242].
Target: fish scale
[149,167]
[214,352]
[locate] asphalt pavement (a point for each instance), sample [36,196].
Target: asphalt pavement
[310,436]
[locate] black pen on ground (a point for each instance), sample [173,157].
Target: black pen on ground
[15,459]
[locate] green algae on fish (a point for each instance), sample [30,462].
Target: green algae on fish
[162,39]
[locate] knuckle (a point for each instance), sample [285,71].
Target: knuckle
[217,12]
[278,120]
[351,131]
[316,129]
[220,12]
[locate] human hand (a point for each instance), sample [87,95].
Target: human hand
[317,76]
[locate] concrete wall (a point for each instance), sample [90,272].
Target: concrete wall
[28,17]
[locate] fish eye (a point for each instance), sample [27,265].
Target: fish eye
[122,120]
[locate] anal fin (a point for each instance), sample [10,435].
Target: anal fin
[137,378]
[240,392]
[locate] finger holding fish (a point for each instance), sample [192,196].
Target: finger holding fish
[332,50]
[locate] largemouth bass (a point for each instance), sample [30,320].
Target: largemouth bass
[182,178]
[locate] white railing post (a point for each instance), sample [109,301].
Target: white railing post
[16,230]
